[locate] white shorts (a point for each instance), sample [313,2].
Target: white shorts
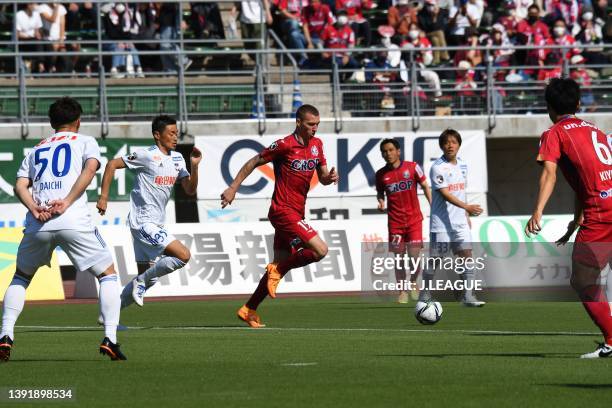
[86,249]
[443,243]
[150,241]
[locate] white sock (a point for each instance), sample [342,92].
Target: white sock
[162,267]
[427,278]
[468,280]
[126,295]
[14,299]
[110,305]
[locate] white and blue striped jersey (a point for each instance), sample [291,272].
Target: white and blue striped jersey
[156,174]
[445,216]
[53,166]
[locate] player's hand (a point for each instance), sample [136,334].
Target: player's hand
[227,197]
[533,225]
[381,205]
[473,209]
[58,207]
[571,227]
[332,177]
[101,205]
[42,214]
[196,156]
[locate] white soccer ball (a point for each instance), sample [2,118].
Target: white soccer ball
[428,312]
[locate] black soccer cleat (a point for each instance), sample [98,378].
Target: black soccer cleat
[112,350]
[6,344]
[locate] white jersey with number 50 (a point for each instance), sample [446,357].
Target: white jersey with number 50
[53,166]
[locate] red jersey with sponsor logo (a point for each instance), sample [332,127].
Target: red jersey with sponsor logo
[338,38]
[400,187]
[294,166]
[317,18]
[584,154]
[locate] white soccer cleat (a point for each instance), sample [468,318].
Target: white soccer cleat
[472,301]
[603,350]
[138,291]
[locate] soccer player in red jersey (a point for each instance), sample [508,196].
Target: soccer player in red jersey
[398,180]
[296,244]
[584,154]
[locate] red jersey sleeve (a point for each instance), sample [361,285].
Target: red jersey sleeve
[380,186]
[275,150]
[322,159]
[550,147]
[419,174]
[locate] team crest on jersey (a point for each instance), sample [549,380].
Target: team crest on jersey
[439,179]
[406,174]
[273,146]
[605,193]
[314,151]
[132,156]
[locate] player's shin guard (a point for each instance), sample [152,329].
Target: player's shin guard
[297,260]
[14,299]
[164,266]
[596,304]
[428,277]
[110,305]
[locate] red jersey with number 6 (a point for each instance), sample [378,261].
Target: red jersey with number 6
[584,154]
[400,187]
[294,166]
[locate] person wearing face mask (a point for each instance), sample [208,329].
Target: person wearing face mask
[532,25]
[433,20]
[560,36]
[467,15]
[591,33]
[316,17]
[423,58]
[401,15]
[567,10]
[359,25]
[340,36]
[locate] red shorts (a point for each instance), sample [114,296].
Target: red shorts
[593,245]
[291,232]
[402,238]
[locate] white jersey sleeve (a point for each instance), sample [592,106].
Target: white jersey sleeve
[438,178]
[137,160]
[182,166]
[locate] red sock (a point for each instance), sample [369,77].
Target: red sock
[260,293]
[297,260]
[596,304]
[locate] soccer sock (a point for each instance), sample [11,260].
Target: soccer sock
[468,282]
[260,293]
[162,267]
[596,304]
[428,276]
[14,299]
[297,260]
[110,305]
[126,294]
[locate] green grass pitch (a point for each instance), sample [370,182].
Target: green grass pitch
[316,352]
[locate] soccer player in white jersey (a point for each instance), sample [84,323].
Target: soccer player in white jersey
[157,169]
[58,170]
[450,214]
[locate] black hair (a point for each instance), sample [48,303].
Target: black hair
[446,134]
[534,6]
[304,109]
[562,96]
[64,111]
[160,122]
[394,142]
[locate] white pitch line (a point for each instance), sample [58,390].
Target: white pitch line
[299,364]
[320,329]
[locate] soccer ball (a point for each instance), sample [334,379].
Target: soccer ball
[428,312]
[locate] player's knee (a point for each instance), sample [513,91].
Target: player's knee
[184,255]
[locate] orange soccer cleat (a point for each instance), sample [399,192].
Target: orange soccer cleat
[274,278]
[250,317]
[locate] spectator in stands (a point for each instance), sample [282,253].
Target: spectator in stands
[144,30]
[206,21]
[81,16]
[591,33]
[423,58]
[118,25]
[379,71]
[54,30]
[532,25]
[433,20]
[28,25]
[315,18]
[340,36]
[360,26]
[465,85]
[401,16]
[567,10]
[560,36]
[291,26]
[498,38]
[170,26]
[473,55]
[550,69]
[467,15]
[251,18]
[579,74]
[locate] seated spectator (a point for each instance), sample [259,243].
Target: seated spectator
[579,74]
[291,25]
[360,26]
[54,30]
[316,17]
[339,36]
[473,55]
[433,20]
[465,85]
[532,26]
[144,29]
[567,10]
[423,58]
[591,34]
[81,16]
[401,16]
[467,15]
[379,71]
[501,57]
[560,36]
[251,18]
[117,25]
[28,26]
[206,21]
[170,26]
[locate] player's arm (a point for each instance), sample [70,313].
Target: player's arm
[471,209]
[190,183]
[426,189]
[23,194]
[548,178]
[327,177]
[228,195]
[107,179]
[58,207]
